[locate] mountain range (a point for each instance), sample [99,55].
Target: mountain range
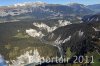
[95,7]
[41,10]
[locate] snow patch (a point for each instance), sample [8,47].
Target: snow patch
[35,4]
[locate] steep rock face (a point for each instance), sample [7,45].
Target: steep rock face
[79,37]
[92,18]
[80,8]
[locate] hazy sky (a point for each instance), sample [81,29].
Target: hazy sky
[10,2]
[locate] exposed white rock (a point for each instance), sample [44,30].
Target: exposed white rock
[45,27]
[58,41]
[91,19]
[50,29]
[27,58]
[41,25]
[67,39]
[81,33]
[63,23]
[34,33]
[79,18]
[97,19]
[96,29]
[51,36]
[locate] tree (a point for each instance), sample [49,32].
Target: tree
[68,52]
